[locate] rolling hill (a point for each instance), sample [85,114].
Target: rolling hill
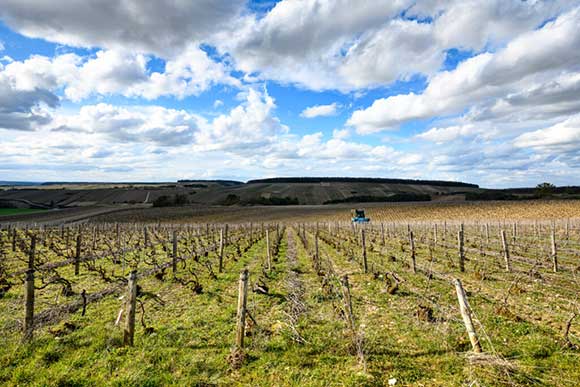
[309,191]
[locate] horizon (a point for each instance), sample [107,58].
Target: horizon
[483,92]
[72,182]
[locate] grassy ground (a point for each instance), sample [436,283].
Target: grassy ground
[18,211]
[299,335]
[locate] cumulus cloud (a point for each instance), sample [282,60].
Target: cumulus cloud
[561,137]
[347,47]
[118,72]
[27,95]
[511,107]
[144,124]
[191,72]
[451,133]
[247,127]
[473,24]
[398,50]
[320,111]
[539,53]
[372,45]
[148,26]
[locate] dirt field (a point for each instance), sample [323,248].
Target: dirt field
[378,212]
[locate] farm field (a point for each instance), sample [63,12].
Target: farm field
[327,303]
[378,212]
[18,211]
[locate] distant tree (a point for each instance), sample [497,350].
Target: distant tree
[180,200]
[169,201]
[545,189]
[230,200]
[162,201]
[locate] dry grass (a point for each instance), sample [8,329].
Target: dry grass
[378,212]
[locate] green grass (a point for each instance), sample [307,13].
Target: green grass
[193,334]
[18,211]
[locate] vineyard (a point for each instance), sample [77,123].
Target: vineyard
[426,303]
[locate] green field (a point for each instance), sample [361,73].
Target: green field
[18,211]
[405,326]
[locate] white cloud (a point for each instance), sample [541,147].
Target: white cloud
[246,128]
[539,53]
[561,137]
[341,134]
[274,46]
[320,111]
[509,112]
[472,24]
[398,50]
[164,28]
[117,72]
[27,94]
[141,124]
[347,48]
[191,72]
[450,133]
[110,72]
[371,45]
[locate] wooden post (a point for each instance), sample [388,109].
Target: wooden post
[487,233]
[14,233]
[146,236]
[316,256]
[67,239]
[506,252]
[412,246]
[268,256]
[435,234]
[460,242]
[221,251]
[554,251]
[129,332]
[29,295]
[364,250]
[515,231]
[226,235]
[241,315]
[78,253]
[382,234]
[84,298]
[466,315]
[348,302]
[174,252]
[118,232]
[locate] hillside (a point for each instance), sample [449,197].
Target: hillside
[303,190]
[323,190]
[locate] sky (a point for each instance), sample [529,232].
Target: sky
[486,92]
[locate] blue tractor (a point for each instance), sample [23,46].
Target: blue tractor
[359,216]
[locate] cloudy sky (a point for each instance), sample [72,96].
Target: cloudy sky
[483,91]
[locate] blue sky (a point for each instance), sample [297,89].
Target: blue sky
[480,91]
